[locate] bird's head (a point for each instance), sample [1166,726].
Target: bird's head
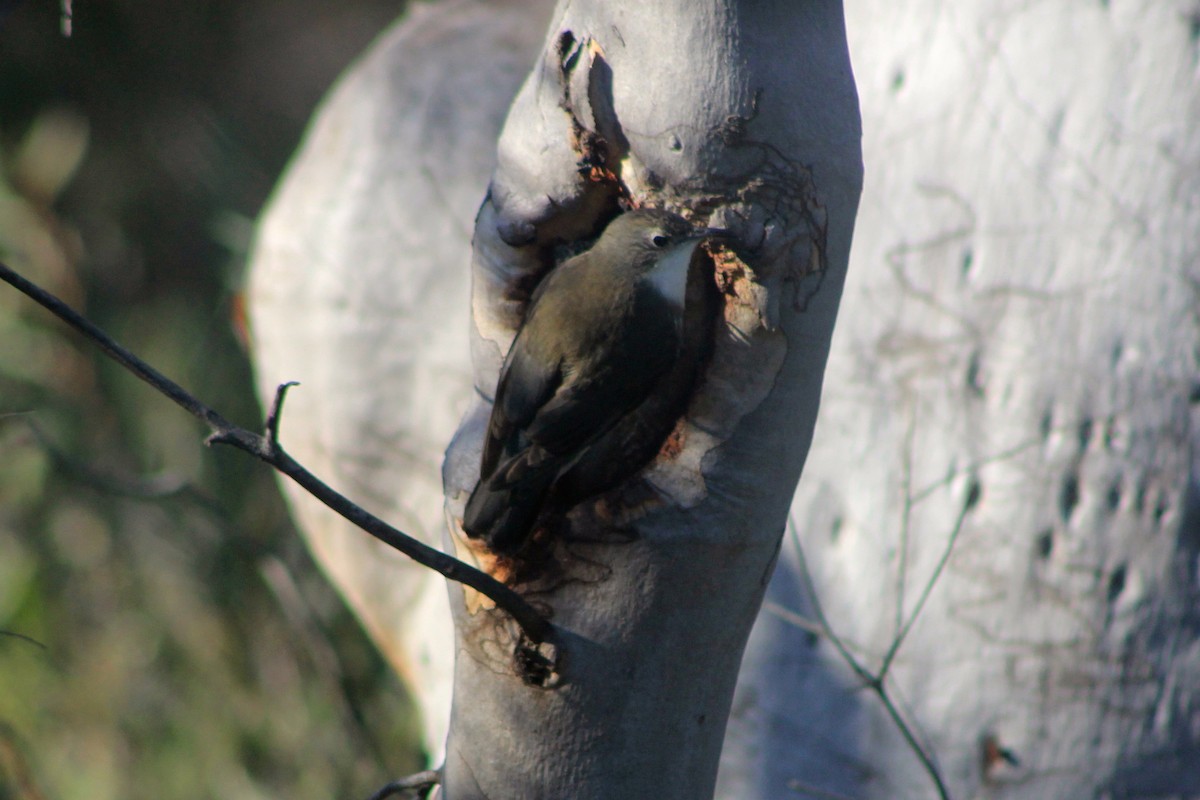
[647,233]
[656,245]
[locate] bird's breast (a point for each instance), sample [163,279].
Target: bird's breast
[669,276]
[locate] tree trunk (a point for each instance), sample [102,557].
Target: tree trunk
[683,105]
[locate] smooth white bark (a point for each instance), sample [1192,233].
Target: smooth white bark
[1020,315]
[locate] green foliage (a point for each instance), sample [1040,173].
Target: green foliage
[164,634]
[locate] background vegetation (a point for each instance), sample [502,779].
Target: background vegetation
[165,634]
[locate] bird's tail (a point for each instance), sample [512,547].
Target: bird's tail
[504,508]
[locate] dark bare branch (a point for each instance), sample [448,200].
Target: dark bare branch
[266,448]
[419,783]
[275,412]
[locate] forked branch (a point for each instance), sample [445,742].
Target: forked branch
[266,448]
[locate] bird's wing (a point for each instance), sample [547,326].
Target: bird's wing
[575,416]
[526,383]
[548,409]
[580,412]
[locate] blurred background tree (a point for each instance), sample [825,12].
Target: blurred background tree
[164,632]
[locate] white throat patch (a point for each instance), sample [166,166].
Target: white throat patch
[669,275]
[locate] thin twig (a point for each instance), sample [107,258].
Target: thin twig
[810,588]
[419,782]
[905,519]
[798,620]
[874,682]
[890,656]
[275,412]
[979,463]
[267,449]
[24,638]
[804,623]
[910,737]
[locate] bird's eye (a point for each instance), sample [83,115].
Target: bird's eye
[659,240]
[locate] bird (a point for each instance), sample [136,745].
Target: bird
[598,374]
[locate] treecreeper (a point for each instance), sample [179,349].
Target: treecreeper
[599,373]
